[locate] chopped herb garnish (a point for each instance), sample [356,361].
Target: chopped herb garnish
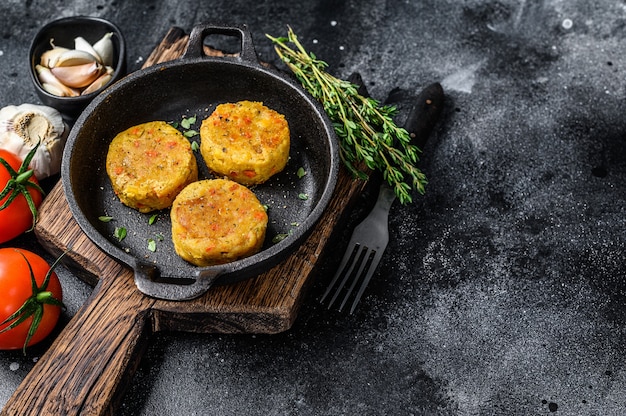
[119,233]
[105,218]
[303,196]
[152,219]
[195,146]
[186,122]
[301,173]
[151,245]
[279,237]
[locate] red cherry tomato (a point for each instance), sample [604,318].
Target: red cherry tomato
[17,216]
[16,286]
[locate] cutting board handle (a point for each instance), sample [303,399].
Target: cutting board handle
[86,368]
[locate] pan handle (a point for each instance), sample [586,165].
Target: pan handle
[151,283]
[199,32]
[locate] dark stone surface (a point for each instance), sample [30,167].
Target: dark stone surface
[503,289]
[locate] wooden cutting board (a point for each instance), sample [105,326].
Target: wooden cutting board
[87,366]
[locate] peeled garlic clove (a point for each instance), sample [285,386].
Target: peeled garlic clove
[50,57]
[104,48]
[103,80]
[78,76]
[51,84]
[23,127]
[80,44]
[74,57]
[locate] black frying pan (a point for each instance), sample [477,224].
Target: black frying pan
[193,86]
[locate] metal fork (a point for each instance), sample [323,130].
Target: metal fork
[370,237]
[365,249]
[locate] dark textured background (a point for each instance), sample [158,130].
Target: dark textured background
[503,289]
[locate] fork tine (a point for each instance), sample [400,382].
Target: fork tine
[365,256]
[370,272]
[344,261]
[358,249]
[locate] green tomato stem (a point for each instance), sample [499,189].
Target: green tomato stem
[43,297]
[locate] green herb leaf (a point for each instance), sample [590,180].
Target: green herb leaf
[105,218]
[303,196]
[151,245]
[190,133]
[119,233]
[187,122]
[195,146]
[279,237]
[152,219]
[301,173]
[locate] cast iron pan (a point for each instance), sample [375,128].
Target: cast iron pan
[193,86]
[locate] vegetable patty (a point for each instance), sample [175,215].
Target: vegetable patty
[149,164]
[216,221]
[245,141]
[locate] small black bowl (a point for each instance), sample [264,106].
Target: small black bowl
[63,32]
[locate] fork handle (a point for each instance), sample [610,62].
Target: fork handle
[386,196]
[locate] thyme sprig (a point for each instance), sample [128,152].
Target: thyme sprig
[365,128]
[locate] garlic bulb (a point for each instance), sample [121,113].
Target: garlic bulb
[23,127]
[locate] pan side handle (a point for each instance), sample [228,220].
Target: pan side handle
[87,367]
[199,32]
[150,282]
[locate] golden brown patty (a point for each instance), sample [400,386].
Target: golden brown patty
[245,141]
[217,221]
[149,164]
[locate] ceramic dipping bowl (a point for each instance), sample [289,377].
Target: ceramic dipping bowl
[62,33]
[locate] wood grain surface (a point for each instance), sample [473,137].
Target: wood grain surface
[85,369]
